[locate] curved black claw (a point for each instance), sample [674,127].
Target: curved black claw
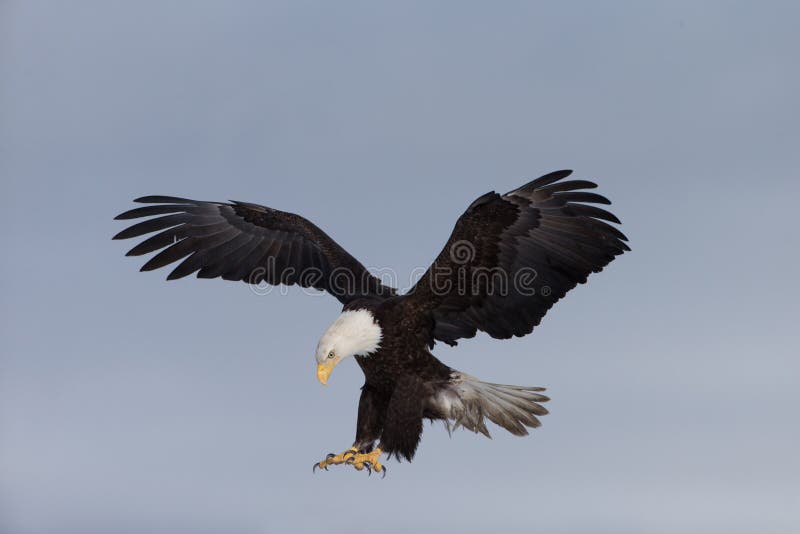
[368,465]
[384,472]
[348,453]
[351,460]
[329,456]
[320,466]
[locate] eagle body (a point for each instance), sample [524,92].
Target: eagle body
[508,260]
[401,378]
[404,383]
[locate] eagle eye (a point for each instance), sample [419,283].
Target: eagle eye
[331,355]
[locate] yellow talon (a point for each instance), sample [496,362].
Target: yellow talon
[370,460]
[351,456]
[336,459]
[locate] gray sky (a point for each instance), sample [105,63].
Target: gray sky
[129,404]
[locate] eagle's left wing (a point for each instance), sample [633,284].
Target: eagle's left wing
[511,257]
[248,242]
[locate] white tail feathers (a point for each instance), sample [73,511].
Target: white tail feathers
[466,401]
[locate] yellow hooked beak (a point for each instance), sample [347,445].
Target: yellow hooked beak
[324,371]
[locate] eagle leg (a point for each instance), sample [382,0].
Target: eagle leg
[335,459]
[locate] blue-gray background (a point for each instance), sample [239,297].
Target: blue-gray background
[131,405]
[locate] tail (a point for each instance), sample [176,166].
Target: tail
[466,401]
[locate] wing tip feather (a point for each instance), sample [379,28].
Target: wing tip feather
[162,199]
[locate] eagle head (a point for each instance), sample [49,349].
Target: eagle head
[353,333]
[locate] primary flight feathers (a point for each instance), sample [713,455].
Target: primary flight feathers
[545,229]
[542,229]
[249,242]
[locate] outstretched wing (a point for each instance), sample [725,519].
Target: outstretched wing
[511,257]
[248,242]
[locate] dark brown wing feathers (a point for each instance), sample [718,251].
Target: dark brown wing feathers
[248,242]
[511,257]
[508,260]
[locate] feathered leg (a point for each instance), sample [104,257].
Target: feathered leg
[402,430]
[402,426]
[371,415]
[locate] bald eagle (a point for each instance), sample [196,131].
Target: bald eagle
[508,260]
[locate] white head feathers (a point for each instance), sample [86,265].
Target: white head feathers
[353,333]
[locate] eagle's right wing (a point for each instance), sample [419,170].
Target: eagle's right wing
[248,242]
